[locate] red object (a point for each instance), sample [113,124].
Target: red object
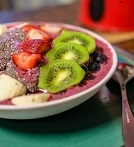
[35,33]
[35,46]
[111,15]
[25,60]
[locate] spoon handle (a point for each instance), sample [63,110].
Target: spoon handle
[127,120]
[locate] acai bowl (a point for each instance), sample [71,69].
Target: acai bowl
[48,68]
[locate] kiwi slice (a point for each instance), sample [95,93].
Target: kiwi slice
[69,51]
[59,75]
[78,37]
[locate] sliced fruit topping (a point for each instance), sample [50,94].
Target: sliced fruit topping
[28,77]
[28,27]
[25,60]
[59,75]
[17,26]
[77,37]
[35,46]
[30,99]
[35,33]
[3,29]
[51,28]
[10,87]
[69,51]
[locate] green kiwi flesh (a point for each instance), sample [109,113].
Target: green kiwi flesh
[69,51]
[59,75]
[77,37]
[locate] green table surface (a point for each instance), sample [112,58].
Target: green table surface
[94,123]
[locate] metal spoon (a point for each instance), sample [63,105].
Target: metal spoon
[122,75]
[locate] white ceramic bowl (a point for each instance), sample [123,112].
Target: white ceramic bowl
[61,105]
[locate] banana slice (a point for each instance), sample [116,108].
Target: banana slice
[10,87]
[50,28]
[3,29]
[30,99]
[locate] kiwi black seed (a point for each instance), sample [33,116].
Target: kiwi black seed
[59,75]
[69,51]
[77,37]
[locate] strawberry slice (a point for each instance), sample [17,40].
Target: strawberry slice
[28,27]
[25,60]
[35,46]
[35,32]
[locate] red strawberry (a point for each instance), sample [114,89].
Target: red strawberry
[35,46]
[25,60]
[28,27]
[35,32]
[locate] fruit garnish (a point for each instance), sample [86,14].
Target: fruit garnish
[17,26]
[28,27]
[3,29]
[69,51]
[35,46]
[60,75]
[51,28]
[12,86]
[33,32]
[25,60]
[31,99]
[78,37]
[93,66]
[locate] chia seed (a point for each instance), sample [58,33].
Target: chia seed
[29,78]
[8,46]
[7,41]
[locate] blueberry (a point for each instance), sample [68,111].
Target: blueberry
[100,58]
[85,68]
[93,66]
[88,73]
[94,55]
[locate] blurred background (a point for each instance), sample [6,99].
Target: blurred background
[24,5]
[39,10]
[112,19]
[65,11]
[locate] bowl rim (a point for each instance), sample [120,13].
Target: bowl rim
[75,96]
